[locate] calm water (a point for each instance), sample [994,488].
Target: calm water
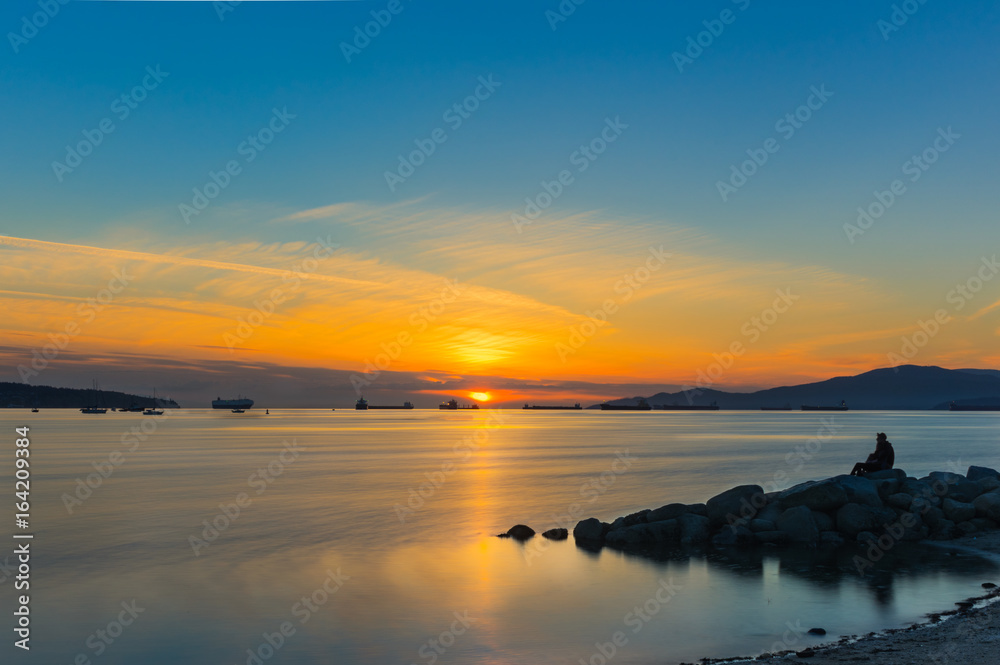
[336,507]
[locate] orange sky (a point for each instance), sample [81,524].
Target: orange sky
[463,294]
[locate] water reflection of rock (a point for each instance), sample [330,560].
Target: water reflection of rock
[826,567]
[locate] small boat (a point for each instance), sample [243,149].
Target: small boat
[34,410]
[545,407]
[239,411]
[152,411]
[239,403]
[406,405]
[689,407]
[361,405]
[452,405]
[787,407]
[842,407]
[132,408]
[643,405]
[970,407]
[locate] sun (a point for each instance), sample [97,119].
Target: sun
[480,397]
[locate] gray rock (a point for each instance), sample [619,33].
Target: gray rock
[932,517]
[988,485]
[741,502]
[519,532]
[698,509]
[618,524]
[770,512]
[823,521]
[887,482]
[916,488]
[799,524]
[664,532]
[988,506]
[899,500]
[733,536]
[762,525]
[694,529]
[945,530]
[854,518]
[979,472]
[671,511]
[831,538]
[954,486]
[556,534]
[958,511]
[772,537]
[967,527]
[823,495]
[591,530]
[860,490]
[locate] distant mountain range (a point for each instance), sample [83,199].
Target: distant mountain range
[903,387]
[20,395]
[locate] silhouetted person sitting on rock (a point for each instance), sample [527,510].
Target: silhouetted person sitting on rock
[883,458]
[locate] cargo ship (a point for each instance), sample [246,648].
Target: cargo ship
[643,405]
[452,405]
[240,403]
[690,407]
[842,407]
[545,407]
[363,405]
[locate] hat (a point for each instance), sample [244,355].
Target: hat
[880,435]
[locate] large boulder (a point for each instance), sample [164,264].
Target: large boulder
[519,532]
[738,503]
[591,530]
[917,488]
[823,495]
[823,521]
[630,520]
[664,532]
[988,506]
[671,511]
[988,485]
[979,472]
[799,524]
[899,500]
[859,490]
[759,525]
[733,536]
[853,518]
[953,485]
[694,529]
[958,511]
[556,534]
[698,509]
[887,482]
[932,516]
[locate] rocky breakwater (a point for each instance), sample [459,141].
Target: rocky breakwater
[884,508]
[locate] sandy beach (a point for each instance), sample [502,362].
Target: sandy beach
[956,635]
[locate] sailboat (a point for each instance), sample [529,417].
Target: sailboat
[94,408]
[152,410]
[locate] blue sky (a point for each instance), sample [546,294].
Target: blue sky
[558,86]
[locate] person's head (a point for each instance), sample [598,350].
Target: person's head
[881,438]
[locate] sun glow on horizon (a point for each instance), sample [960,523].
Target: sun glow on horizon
[480,397]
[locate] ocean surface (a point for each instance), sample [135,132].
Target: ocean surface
[368,537]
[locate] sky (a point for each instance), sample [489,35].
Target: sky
[543,201]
